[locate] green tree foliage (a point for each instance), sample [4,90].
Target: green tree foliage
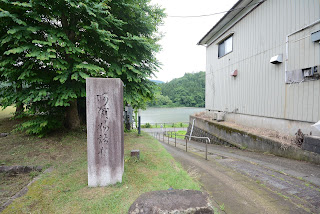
[188,90]
[160,100]
[48,49]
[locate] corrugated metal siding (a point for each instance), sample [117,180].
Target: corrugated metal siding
[260,89]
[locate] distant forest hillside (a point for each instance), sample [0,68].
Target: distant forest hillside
[188,91]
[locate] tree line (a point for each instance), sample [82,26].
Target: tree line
[187,91]
[49,48]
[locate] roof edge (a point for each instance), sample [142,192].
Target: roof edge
[233,12]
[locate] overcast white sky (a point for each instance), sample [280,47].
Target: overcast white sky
[180,53]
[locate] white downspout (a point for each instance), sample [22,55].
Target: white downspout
[191,129]
[287,45]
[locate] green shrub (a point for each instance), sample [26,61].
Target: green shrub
[148,125]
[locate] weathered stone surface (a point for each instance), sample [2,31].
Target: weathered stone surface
[105,131]
[4,134]
[172,201]
[311,143]
[20,169]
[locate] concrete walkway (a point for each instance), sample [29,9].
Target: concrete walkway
[249,182]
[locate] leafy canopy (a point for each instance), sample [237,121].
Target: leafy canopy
[48,49]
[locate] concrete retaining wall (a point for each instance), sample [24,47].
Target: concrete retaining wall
[224,135]
[286,127]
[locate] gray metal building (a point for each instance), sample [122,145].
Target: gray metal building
[263,62]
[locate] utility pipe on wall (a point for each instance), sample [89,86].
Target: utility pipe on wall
[287,44]
[191,129]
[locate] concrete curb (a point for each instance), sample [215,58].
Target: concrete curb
[221,134]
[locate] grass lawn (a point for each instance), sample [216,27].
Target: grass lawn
[65,189]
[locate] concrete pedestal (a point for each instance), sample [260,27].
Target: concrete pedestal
[104,131]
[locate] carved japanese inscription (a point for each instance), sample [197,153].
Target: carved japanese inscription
[102,123]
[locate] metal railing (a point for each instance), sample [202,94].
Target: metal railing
[157,135]
[167,125]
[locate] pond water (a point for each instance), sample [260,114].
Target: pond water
[167,115]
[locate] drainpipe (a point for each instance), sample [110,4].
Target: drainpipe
[191,129]
[287,44]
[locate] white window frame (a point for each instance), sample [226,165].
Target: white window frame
[222,46]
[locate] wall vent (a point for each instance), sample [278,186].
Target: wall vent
[276,59]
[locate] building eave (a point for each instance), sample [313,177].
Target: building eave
[226,19]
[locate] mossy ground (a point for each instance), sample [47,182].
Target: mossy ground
[65,189]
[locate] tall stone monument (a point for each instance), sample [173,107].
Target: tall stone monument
[104,131]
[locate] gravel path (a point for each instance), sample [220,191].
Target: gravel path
[249,182]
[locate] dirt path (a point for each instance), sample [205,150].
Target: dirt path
[248,182]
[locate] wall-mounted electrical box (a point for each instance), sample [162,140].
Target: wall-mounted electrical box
[276,59]
[310,72]
[315,37]
[304,74]
[307,72]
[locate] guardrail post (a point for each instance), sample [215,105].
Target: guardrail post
[139,125]
[186,144]
[175,139]
[168,139]
[207,149]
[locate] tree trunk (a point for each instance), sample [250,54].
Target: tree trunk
[72,119]
[19,109]
[19,105]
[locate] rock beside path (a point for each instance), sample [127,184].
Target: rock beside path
[4,134]
[20,169]
[172,201]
